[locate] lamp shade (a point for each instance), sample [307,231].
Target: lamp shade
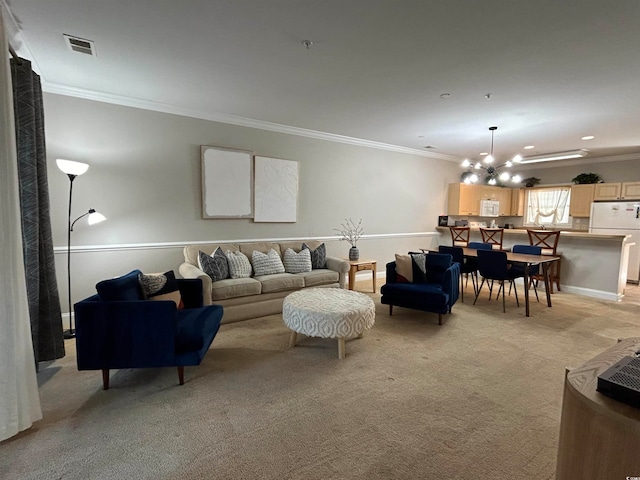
[72,168]
[95,217]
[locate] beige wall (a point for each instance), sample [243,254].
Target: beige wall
[145,177]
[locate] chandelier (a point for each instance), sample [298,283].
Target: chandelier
[493,174]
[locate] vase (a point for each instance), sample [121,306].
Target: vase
[354,253]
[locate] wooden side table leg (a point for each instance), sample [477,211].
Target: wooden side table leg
[292,339]
[374,277]
[341,348]
[352,276]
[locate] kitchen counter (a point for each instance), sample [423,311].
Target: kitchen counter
[564,233]
[593,264]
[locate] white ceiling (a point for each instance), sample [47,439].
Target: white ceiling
[556,70]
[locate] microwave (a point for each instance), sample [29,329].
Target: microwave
[489,208]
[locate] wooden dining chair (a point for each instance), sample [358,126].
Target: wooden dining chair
[460,236]
[547,240]
[492,236]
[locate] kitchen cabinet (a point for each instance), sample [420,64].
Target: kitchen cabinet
[463,199]
[617,191]
[581,198]
[517,202]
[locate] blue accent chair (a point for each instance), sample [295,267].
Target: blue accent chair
[493,265]
[437,295]
[118,328]
[466,267]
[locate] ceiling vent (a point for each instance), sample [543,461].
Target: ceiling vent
[80,45]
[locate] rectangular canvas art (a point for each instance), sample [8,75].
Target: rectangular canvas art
[227,183]
[276,190]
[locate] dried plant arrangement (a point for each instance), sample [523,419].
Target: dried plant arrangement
[350,231]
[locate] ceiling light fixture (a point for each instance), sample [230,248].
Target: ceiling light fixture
[587,137]
[550,157]
[494,175]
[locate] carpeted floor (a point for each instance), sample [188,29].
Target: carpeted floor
[476,398]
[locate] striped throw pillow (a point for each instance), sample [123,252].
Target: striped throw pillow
[266,263]
[297,262]
[239,266]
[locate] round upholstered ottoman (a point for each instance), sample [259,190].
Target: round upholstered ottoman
[328,313]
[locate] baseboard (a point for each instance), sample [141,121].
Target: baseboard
[588,292]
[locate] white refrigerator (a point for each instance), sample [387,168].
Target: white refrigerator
[620,218]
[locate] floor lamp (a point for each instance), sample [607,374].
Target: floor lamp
[73,169]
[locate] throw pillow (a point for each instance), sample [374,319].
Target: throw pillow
[160,286]
[419,261]
[214,265]
[239,266]
[297,262]
[266,263]
[404,269]
[318,256]
[121,289]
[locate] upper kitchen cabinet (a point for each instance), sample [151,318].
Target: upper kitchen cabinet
[581,198]
[517,202]
[617,191]
[463,199]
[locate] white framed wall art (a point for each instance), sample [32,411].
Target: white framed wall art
[275,190]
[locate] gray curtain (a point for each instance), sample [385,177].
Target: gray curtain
[42,288]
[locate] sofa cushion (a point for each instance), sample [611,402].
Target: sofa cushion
[280,282]
[318,256]
[216,265]
[121,289]
[320,276]
[297,262]
[160,286]
[235,287]
[239,266]
[266,263]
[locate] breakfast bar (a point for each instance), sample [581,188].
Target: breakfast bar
[592,264]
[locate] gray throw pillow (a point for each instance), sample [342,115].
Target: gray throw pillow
[297,262]
[215,265]
[266,263]
[318,256]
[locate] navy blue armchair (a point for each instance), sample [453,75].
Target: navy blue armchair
[131,332]
[437,294]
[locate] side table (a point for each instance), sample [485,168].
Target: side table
[359,265]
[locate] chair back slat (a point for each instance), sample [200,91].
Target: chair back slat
[460,236]
[545,239]
[492,236]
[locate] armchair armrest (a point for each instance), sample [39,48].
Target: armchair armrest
[191,292]
[123,334]
[190,271]
[451,282]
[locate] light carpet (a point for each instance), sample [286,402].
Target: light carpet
[476,398]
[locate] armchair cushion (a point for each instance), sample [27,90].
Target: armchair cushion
[161,286]
[124,288]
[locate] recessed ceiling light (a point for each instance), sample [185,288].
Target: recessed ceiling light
[529,147]
[587,137]
[483,154]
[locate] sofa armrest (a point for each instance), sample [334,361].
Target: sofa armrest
[341,266]
[190,271]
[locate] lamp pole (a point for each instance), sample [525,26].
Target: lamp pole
[70,333]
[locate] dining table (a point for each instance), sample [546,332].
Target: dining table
[527,261]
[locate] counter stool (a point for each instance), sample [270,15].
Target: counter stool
[548,242]
[492,236]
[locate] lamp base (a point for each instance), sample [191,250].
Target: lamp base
[69,334]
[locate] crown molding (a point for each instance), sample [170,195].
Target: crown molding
[233,120]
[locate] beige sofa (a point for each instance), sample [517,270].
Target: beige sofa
[244,298]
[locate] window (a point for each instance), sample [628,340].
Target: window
[548,206]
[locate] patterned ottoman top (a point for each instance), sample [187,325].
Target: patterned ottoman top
[328,312]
